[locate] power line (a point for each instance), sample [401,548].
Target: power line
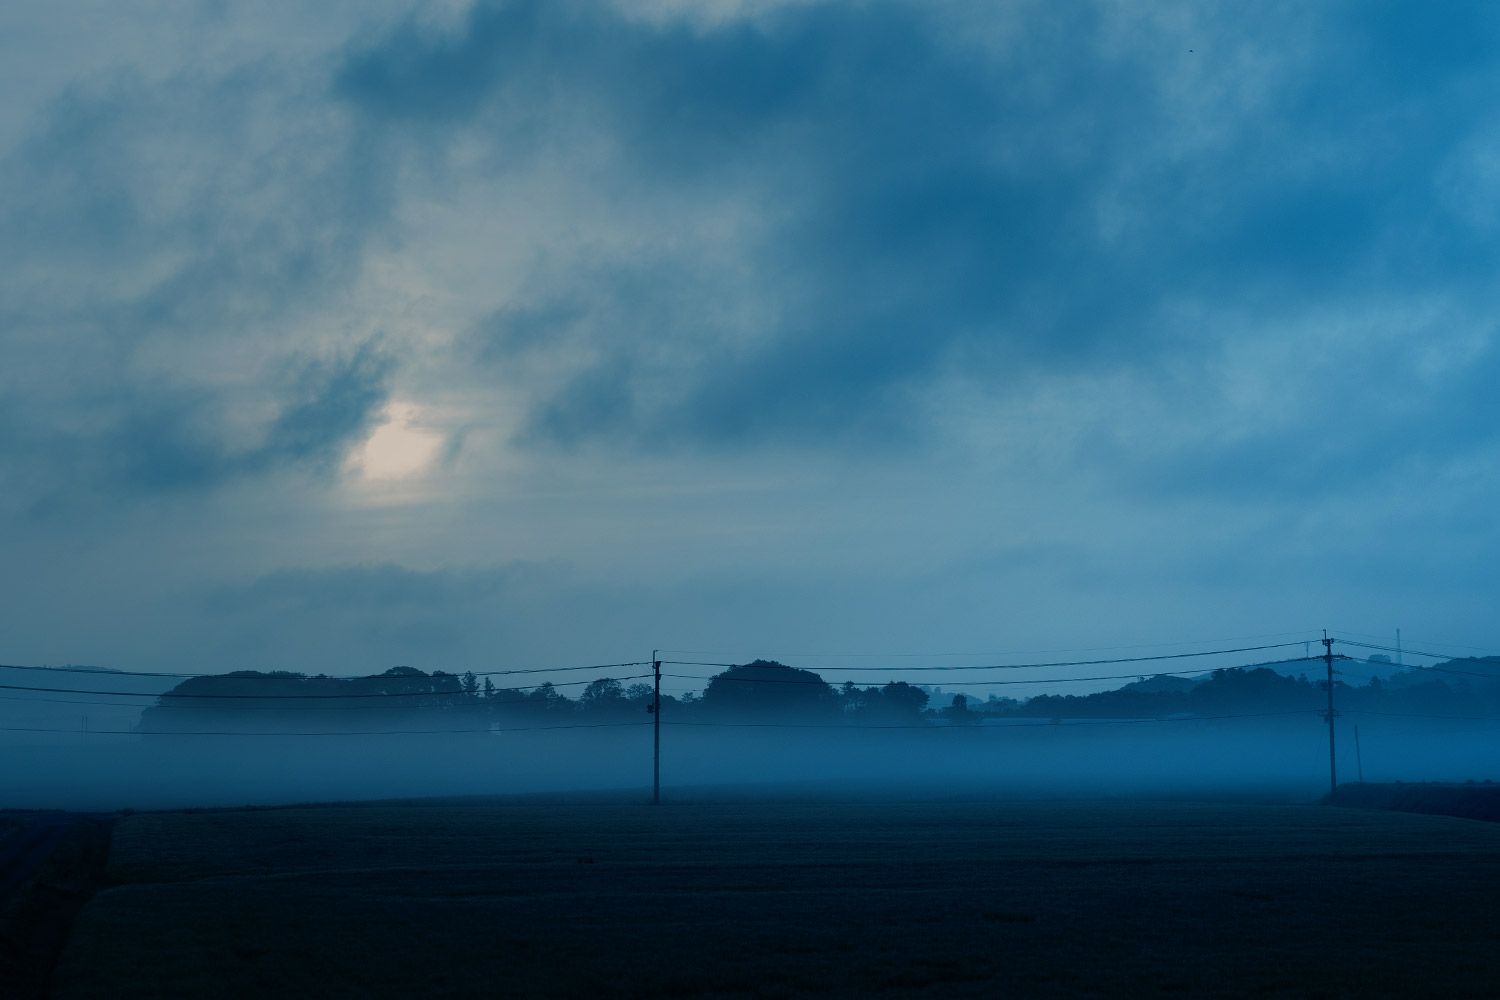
[619,725]
[1022,666]
[534,687]
[390,732]
[1439,670]
[248,675]
[1435,642]
[1381,734]
[295,697]
[481,703]
[1021,652]
[721,678]
[977,728]
[1413,715]
[972,684]
[1418,666]
[1418,652]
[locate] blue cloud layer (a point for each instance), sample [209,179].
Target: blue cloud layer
[930,204]
[1086,262]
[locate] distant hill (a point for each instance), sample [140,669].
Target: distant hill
[1296,668]
[1163,684]
[1477,667]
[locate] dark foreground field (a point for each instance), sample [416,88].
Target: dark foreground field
[1472,800]
[790,899]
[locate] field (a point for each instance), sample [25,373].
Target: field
[614,898]
[1473,800]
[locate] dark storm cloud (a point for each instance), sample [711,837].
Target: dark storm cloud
[165,438]
[872,137]
[922,203]
[1352,433]
[325,406]
[148,221]
[928,204]
[331,405]
[245,205]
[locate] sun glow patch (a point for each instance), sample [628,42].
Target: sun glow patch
[399,448]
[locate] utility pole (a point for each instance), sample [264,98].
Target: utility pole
[656,732]
[1358,760]
[1333,773]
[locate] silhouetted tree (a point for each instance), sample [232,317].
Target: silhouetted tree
[901,700]
[767,689]
[959,713]
[546,699]
[896,702]
[639,695]
[603,697]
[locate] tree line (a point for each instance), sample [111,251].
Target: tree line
[766,690]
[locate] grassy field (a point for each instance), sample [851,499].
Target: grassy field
[611,898]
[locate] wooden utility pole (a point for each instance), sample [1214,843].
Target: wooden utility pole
[1358,760]
[1333,773]
[656,732]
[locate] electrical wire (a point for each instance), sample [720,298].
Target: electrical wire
[1021,652]
[971,684]
[483,702]
[1418,666]
[389,732]
[1026,666]
[173,699]
[1432,642]
[293,697]
[1416,715]
[721,678]
[978,728]
[289,675]
[431,694]
[1440,670]
[1418,652]
[1381,734]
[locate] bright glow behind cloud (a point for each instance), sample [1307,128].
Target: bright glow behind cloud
[400,448]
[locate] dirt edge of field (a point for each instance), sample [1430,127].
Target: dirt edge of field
[1472,800]
[36,917]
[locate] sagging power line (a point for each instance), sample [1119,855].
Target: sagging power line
[721,678]
[1018,652]
[340,732]
[249,675]
[1020,666]
[291,697]
[450,686]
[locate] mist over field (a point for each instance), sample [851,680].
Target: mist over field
[1041,761]
[758,729]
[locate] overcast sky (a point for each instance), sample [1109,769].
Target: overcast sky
[343,335]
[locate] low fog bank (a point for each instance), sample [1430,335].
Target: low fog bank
[102,741]
[1036,759]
